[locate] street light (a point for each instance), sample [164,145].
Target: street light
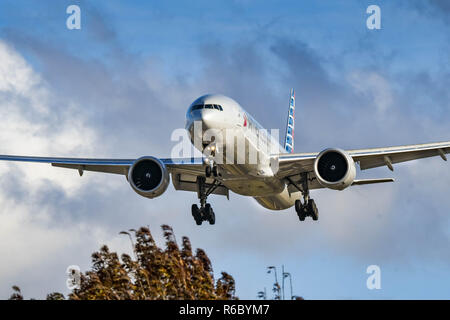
[131,240]
[276,286]
[285,275]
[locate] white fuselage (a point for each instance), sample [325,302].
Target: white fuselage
[232,127]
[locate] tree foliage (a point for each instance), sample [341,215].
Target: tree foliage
[152,273]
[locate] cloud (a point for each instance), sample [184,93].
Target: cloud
[436,8]
[32,241]
[375,87]
[125,105]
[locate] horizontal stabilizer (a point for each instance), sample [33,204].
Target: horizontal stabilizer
[371,181]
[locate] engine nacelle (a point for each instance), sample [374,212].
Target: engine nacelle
[149,177]
[335,169]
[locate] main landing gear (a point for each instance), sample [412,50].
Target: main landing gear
[205,212]
[308,208]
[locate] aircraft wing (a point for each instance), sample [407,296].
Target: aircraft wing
[184,171]
[291,165]
[192,166]
[372,158]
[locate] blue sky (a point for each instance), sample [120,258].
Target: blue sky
[121,84]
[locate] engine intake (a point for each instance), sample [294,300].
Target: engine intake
[335,169]
[149,177]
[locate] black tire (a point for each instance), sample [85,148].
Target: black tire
[312,209]
[208,214]
[208,171]
[212,218]
[214,171]
[195,211]
[298,206]
[196,214]
[207,211]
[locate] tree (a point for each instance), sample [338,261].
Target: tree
[153,273]
[17,295]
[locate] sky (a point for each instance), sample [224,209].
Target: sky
[120,85]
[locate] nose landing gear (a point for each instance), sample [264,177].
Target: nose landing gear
[211,169]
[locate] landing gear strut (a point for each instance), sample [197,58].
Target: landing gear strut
[211,166]
[308,208]
[205,212]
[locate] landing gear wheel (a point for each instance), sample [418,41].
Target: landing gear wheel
[301,216]
[214,171]
[196,213]
[298,206]
[300,210]
[208,214]
[208,171]
[312,210]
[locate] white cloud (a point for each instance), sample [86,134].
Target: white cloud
[30,125]
[375,86]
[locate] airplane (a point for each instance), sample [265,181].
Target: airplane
[277,180]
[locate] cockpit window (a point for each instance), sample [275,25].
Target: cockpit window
[197,107]
[206,106]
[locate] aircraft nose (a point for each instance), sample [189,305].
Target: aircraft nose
[208,118]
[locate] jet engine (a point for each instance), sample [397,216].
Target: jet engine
[335,169]
[149,177]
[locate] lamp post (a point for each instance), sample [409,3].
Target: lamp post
[276,286]
[131,240]
[285,275]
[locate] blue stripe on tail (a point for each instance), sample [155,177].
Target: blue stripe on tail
[289,139]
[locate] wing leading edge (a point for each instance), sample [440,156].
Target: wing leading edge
[369,158]
[292,165]
[378,157]
[115,166]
